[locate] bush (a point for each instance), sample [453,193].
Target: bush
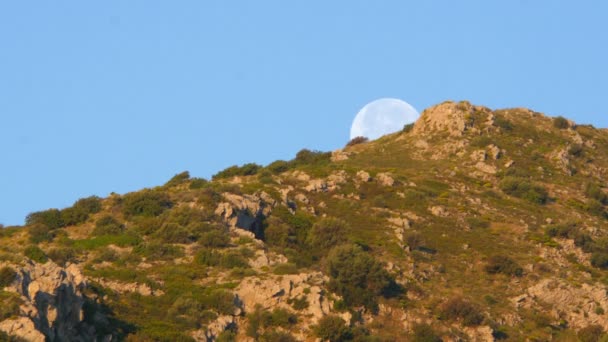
[599,260]
[145,203]
[108,225]
[178,179]
[357,140]
[327,233]
[207,257]
[332,328]
[408,128]
[424,333]
[357,276]
[503,264]
[478,223]
[567,230]
[50,218]
[279,166]
[524,189]
[504,124]
[215,239]
[35,254]
[277,336]
[174,233]
[40,233]
[460,309]
[198,183]
[591,333]
[249,169]
[561,122]
[576,150]
[61,256]
[594,191]
[7,276]
[233,260]
[155,250]
[306,157]
[80,211]
[9,305]
[286,268]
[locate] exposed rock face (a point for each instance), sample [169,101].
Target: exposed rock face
[385,179]
[563,297]
[247,211]
[276,291]
[450,117]
[53,304]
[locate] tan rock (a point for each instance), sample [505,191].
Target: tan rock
[22,327]
[438,211]
[339,155]
[363,176]
[385,179]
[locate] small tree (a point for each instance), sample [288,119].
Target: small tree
[357,140]
[327,233]
[332,328]
[7,276]
[503,264]
[561,122]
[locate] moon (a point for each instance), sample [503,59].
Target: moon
[382,116]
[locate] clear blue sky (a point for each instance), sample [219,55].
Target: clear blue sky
[102,96]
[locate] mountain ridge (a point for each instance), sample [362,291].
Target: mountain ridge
[471,224]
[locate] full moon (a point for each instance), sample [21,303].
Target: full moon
[382,116]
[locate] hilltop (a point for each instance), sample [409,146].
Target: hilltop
[471,224]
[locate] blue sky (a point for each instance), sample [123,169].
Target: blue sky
[114,96]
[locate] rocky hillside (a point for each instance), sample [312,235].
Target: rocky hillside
[470,225]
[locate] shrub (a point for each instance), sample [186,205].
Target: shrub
[79,212]
[591,333]
[327,233]
[155,250]
[332,328]
[357,276]
[595,207]
[561,122]
[215,239]
[599,260]
[357,140]
[174,233]
[524,189]
[51,218]
[286,268]
[9,307]
[7,276]
[595,192]
[576,150]
[207,257]
[566,230]
[61,256]
[424,333]
[147,203]
[178,179]
[300,303]
[226,336]
[233,260]
[277,233]
[36,254]
[460,309]
[306,156]
[504,124]
[40,233]
[478,223]
[277,336]
[279,166]
[503,264]
[198,183]
[108,225]
[248,169]
[408,128]
[414,240]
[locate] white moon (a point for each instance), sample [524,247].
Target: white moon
[382,116]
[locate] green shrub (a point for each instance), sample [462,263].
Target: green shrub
[215,239]
[332,328]
[249,169]
[561,122]
[307,157]
[108,225]
[504,124]
[286,268]
[591,333]
[174,233]
[524,189]
[36,254]
[146,203]
[460,309]
[61,256]
[594,191]
[424,333]
[277,336]
[207,257]
[178,179]
[7,276]
[566,230]
[357,276]
[9,305]
[327,233]
[40,233]
[80,211]
[478,223]
[575,150]
[279,166]
[198,183]
[596,208]
[408,128]
[233,260]
[599,260]
[156,250]
[300,303]
[503,264]
[357,140]
[51,218]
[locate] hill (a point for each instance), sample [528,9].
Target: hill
[472,224]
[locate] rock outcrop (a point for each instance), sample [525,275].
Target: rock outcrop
[53,301]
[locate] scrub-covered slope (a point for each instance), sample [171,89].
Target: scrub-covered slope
[471,224]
